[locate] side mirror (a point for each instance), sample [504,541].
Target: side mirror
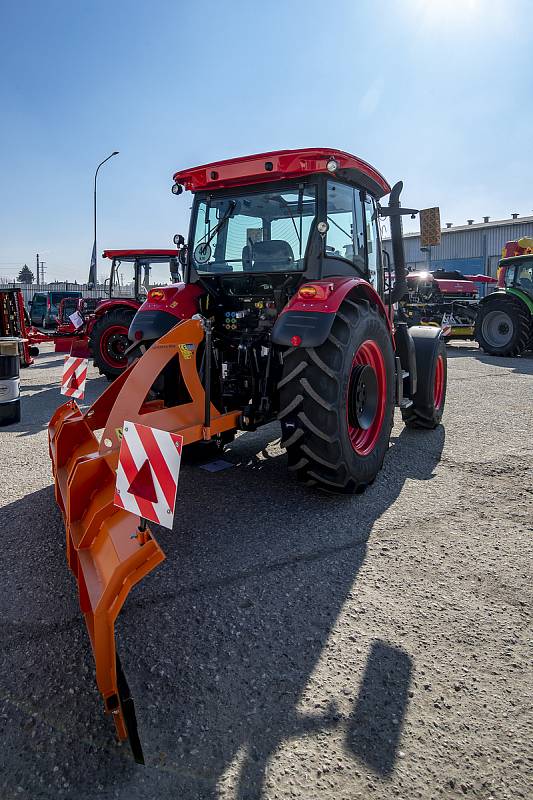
[182,255]
[179,240]
[174,270]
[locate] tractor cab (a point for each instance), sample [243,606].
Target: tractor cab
[517,273]
[289,215]
[150,268]
[265,226]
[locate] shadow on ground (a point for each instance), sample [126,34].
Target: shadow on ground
[522,365]
[218,645]
[39,401]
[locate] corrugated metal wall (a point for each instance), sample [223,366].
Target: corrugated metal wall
[484,242]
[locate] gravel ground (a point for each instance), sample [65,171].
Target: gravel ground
[292,645]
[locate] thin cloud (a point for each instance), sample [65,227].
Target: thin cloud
[369,102]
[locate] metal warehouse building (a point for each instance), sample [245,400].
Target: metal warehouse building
[473,248]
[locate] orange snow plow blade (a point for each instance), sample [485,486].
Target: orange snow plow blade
[105,550]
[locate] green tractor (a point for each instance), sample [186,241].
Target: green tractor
[504,322]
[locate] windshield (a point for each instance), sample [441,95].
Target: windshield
[521,276]
[57,297]
[259,232]
[159,273]
[151,274]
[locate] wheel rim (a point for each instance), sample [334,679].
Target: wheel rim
[497,328]
[438,385]
[365,402]
[113,345]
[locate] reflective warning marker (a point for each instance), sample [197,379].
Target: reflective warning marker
[143,484]
[74,377]
[147,472]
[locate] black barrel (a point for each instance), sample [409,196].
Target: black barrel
[9,389]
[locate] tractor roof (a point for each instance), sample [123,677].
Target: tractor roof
[281,165]
[131,255]
[516,259]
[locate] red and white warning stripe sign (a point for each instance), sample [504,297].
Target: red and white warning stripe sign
[74,377]
[147,472]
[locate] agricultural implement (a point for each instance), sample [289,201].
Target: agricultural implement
[504,324]
[443,299]
[14,322]
[282,314]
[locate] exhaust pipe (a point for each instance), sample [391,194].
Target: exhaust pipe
[398,254]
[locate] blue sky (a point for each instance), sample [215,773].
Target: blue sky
[438,93]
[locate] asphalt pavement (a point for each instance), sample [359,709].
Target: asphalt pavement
[293,644]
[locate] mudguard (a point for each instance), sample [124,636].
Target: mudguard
[105,550]
[312,318]
[511,290]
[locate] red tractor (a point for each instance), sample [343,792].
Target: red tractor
[283,315]
[103,329]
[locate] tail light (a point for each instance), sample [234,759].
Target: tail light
[315,291]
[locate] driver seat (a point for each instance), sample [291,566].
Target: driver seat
[271,256]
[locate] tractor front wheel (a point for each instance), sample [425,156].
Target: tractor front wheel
[503,326]
[109,341]
[337,402]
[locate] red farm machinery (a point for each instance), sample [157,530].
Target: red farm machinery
[14,322]
[283,314]
[444,299]
[102,325]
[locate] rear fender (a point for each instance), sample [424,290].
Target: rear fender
[312,318]
[157,316]
[525,298]
[518,293]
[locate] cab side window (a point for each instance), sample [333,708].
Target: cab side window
[372,241]
[510,273]
[346,234]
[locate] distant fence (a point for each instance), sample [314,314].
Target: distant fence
[28,290]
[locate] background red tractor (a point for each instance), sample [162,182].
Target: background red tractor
[103,333]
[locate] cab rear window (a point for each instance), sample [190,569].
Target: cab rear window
[56,297]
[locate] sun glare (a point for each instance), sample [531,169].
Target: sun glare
[446,12]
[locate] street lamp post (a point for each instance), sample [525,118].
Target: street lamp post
[93,277]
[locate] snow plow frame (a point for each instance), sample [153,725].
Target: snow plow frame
[106,550]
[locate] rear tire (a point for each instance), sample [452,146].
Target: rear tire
[432,378]
[503,326]
[109,340]
[328,394]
